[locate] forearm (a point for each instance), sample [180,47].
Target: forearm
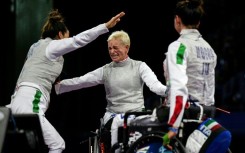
[68,85]
[60,47]
[149,77]
[88,80]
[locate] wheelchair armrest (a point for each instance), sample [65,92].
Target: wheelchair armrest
[193,112]
[127,114]
[125,126]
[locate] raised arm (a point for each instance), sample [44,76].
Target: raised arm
[60,47]
[114,20]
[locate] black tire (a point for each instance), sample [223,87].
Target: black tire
[155,138]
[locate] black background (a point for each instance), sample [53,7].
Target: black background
[150,26]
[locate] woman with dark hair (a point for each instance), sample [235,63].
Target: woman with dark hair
[189,67]
[43,65]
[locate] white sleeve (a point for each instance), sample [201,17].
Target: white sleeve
[176,65]
[57,48]
[90,79]
[176,61]
[150,79]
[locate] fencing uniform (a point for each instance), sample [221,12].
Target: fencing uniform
[189,69]
[43,65]
[123,82]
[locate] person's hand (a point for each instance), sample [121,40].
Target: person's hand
[166,142]
[114,20]
[167,137]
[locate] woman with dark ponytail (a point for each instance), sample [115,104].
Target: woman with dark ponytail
[189,67]
[43,65]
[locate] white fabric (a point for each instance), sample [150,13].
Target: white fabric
[107,116]
[21,103]
[117,122]
[56,151]
[22,99]
[189,70]
[195,141]
[57,48]
[95,77]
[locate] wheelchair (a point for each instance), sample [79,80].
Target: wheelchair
[144,136]
[136,137]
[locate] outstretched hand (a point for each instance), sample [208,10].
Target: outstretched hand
[114,20]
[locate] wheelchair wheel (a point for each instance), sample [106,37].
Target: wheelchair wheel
[151,142]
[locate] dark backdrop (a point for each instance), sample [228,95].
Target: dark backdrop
[150,26]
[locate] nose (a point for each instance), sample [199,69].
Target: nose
[111,50]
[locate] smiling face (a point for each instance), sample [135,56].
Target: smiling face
[117,50]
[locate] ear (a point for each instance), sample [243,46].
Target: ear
[127,46]
[60,35]
[178,19]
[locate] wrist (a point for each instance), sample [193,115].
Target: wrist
[173,129]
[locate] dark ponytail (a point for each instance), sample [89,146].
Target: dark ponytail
[53,25]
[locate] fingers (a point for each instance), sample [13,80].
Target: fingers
[121,14]
[114,20]
[118,16]
[169,147]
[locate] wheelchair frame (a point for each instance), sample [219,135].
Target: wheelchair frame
[177,142]
[147,136]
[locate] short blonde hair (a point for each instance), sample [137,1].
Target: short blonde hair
[122,35]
